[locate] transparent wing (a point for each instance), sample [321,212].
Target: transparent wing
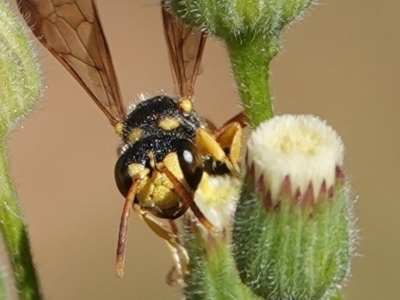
[71,31]
[185,46]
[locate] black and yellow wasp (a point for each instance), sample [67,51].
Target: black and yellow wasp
[172,159]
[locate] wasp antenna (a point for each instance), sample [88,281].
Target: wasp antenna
[123,227]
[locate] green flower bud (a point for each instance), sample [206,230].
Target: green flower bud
[20,85]
[293,236]
[250,29]
[238,19]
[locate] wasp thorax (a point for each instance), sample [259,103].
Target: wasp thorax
[157,116]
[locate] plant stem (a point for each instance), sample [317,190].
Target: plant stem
[250,64]
[15,235]
[213,274]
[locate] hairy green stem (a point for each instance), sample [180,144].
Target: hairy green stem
[213,275]
[337,296]
[15,235]
[250,64]
[20,88]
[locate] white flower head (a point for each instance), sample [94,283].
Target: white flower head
[300,148]
[217,197]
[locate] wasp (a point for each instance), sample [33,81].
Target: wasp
[169,153]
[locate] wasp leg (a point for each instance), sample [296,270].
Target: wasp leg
[179,253]
[175,231]
[239,118]
[187,197]
[123,227]
[231,137]
[177,272]
[207,145]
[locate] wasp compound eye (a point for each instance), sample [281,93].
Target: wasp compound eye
[122,177]
[190,162]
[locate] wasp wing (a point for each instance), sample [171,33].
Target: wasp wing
[71,31]
[185,46]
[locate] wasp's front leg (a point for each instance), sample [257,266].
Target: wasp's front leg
[223,146]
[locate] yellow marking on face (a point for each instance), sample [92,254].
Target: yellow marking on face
[134,169]
[171,161]
[169,124]
[186,106]
[158,189]
[135,134]
[150,155]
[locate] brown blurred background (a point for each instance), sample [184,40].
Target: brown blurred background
[341,63]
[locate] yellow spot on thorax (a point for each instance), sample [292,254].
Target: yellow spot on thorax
[135,134]
[186,105]
[118,127]
[169,124]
